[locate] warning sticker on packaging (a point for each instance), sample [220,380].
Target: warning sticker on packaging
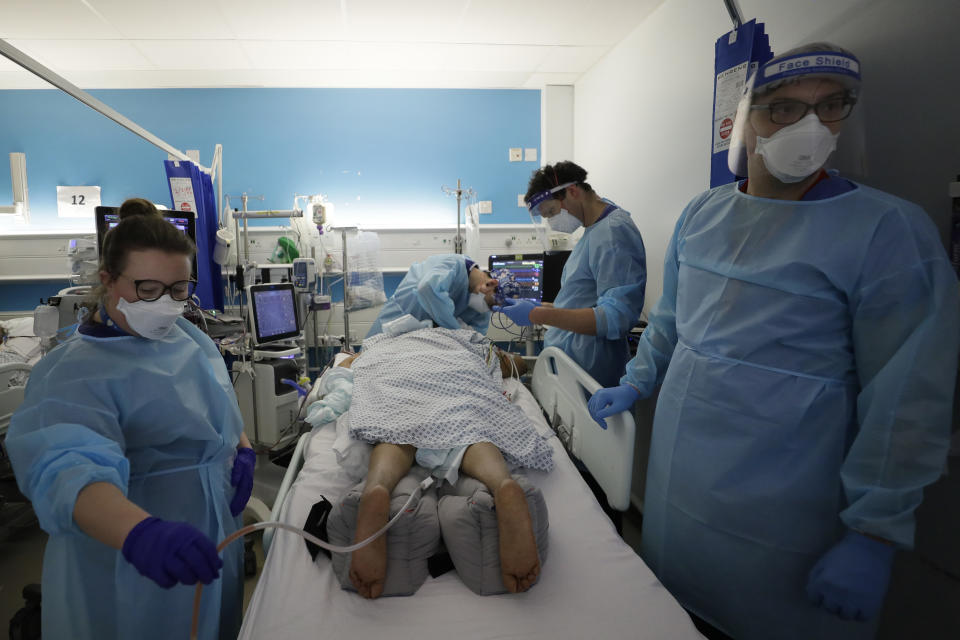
[729,89]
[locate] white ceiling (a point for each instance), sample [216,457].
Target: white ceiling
[314,43]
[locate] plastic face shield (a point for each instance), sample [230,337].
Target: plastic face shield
[543,205]
[829,65]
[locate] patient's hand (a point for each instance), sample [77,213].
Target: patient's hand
[517,369]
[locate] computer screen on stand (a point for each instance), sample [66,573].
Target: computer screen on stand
[273,312]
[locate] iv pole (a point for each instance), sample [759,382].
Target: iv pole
[460,193]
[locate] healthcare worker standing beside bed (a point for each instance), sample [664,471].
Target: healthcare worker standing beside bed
[447,289]
[806,341]
[130,445]
[603,281]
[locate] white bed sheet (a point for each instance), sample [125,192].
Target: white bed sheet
[592,585]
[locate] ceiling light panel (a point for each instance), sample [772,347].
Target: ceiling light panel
[51,19]
[283,19]
[181,19]
[96,55]
[194,54]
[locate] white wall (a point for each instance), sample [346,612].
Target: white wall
[556,117]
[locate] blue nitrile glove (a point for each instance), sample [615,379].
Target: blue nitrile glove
[517,310]
[611,401]
[171,552]
[851,578]
[242,478]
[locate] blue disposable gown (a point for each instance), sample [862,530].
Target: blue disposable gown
[607,270]
[807,352]
[158,419]
[436,289]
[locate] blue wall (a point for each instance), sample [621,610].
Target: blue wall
[391,148]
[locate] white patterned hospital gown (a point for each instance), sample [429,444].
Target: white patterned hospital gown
[439,389]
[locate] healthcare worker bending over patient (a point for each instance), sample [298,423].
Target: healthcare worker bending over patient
[446,289]
[603,281]
[806,341]
[130,445]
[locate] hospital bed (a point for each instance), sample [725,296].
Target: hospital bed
[592,584]
[13,382]
[19,351]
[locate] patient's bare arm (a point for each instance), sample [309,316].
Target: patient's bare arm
[516,369]
[347,362]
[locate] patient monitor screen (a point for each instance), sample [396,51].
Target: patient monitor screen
[274,312]
[527,268]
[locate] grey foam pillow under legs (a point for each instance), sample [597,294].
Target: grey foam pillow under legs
[468,522]
[410,542]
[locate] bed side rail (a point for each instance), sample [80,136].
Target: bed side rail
[562,388]
[296,463]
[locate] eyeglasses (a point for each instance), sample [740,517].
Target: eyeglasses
[832,109]
[150,290]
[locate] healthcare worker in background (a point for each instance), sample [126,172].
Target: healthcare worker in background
[603,281]
[806,342]
[129,443]
[450,290]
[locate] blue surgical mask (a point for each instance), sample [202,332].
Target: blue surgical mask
[564,222]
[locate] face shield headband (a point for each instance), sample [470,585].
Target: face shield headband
[842,67]
[537,201]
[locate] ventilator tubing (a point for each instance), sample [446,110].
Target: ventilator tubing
[425,484]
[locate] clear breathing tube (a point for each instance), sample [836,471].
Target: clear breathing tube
[424,485]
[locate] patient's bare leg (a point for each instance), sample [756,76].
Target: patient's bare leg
[368,566]
[519,564]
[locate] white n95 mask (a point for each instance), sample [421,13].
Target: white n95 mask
[564,222]
[478,302]
[151,320]
[798,150]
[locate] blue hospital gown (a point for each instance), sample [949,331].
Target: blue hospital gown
[807,351]
[158,419]
[607,270]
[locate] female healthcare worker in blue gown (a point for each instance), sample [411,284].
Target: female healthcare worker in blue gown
[447,289]
[603,281]
[806,342]
[130,445]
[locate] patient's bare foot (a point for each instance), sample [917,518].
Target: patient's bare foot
[368,566]
[519,563]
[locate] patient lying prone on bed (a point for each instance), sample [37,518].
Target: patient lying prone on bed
[435,396]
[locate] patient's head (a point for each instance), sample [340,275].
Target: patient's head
[482,282]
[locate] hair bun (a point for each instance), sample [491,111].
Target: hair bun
[137,207]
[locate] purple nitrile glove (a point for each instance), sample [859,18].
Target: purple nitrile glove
[611,401]
[851,578]
[242,479]
[517,310]
[171,552]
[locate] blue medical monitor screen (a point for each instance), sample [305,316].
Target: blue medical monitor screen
[274,309]
[527,268]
